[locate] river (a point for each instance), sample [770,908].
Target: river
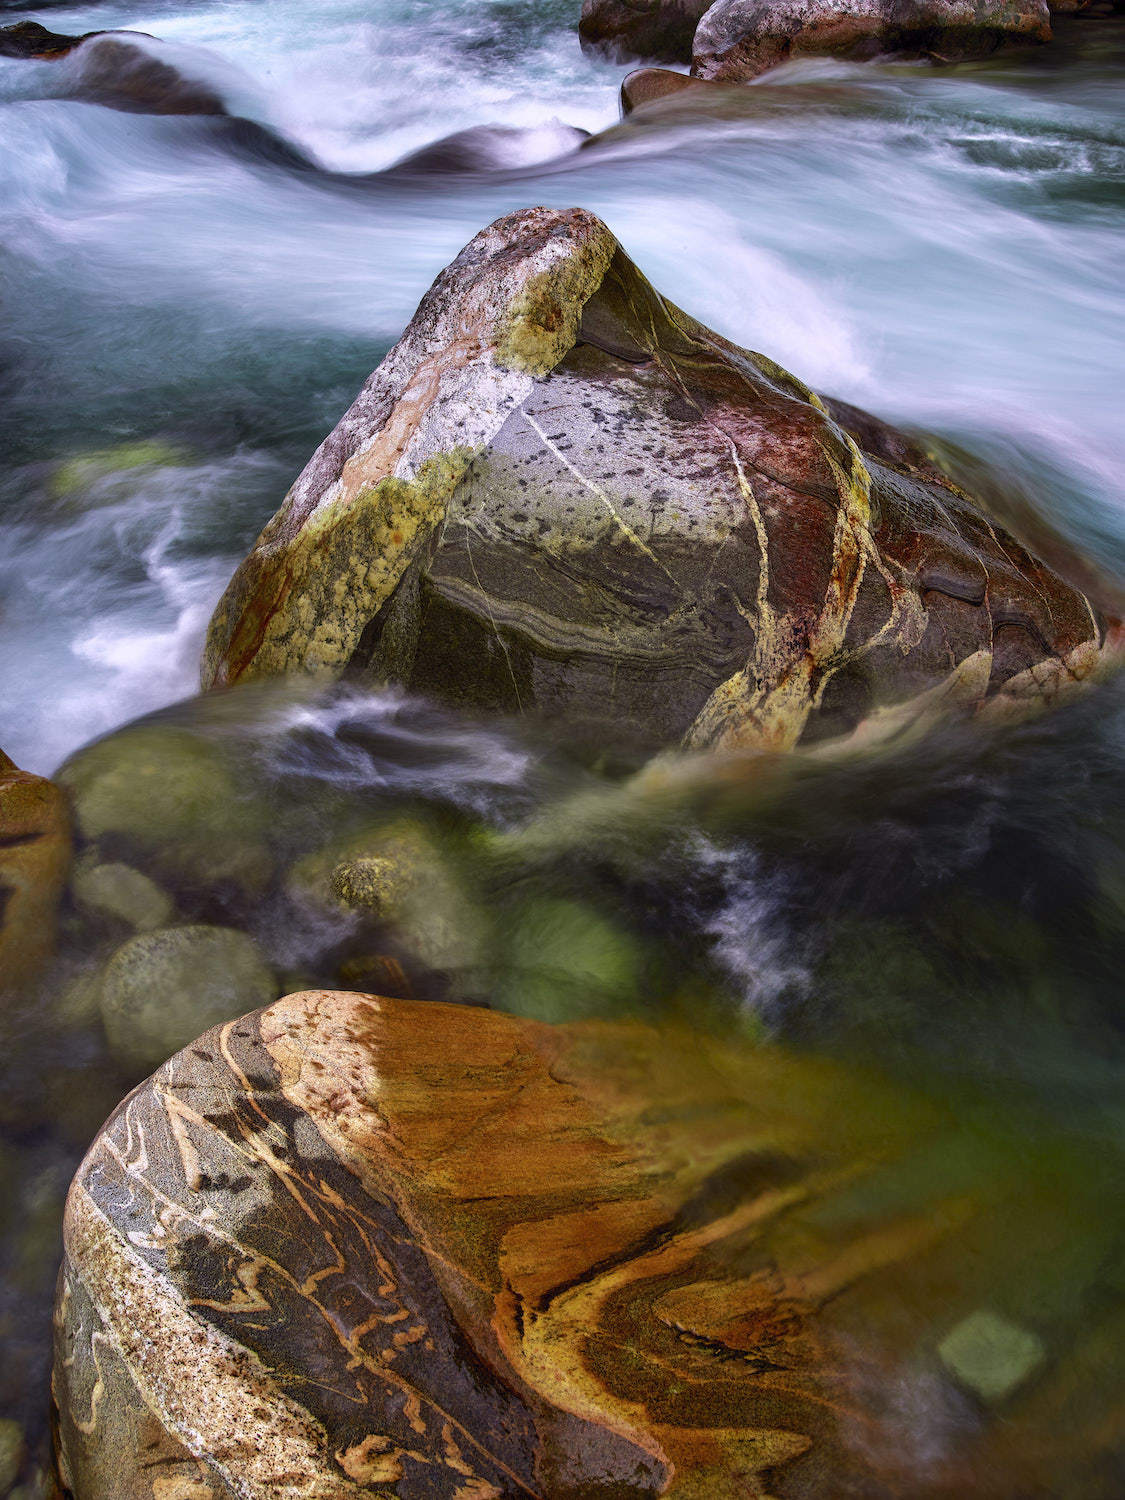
[188,308]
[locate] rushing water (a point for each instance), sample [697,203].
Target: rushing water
[189,305]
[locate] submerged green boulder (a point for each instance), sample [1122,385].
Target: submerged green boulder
[161,989]
[170,800]
[85,470]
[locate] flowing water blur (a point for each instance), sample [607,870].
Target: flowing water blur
[191,302]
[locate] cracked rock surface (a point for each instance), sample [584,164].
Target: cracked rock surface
[561,495]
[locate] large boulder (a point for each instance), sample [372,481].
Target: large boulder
[659,29]
[352,1246]
[561,494]
[35,855]
[739,39]
[121,69]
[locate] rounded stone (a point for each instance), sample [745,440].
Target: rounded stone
[11,1453]
[117,890]
[162,989]
[169,795]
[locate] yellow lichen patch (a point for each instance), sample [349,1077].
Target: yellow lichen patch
[344,565]
[541,325]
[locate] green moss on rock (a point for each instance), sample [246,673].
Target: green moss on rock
[542,322]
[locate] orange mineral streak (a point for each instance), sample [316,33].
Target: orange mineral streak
[380,460]
[559,1179]
[35,853]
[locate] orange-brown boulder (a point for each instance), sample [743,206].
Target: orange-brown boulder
[355,1246]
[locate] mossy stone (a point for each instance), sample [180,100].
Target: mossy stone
[162,989]
[564,961]
[170,795]
[398,874]
[117,890]
[87,469]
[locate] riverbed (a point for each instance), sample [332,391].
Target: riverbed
[189,307]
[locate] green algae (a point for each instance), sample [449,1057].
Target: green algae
[86,469]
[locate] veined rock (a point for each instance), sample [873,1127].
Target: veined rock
[354,1246]
[560,494]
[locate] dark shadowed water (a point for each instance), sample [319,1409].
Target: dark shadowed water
[189,304]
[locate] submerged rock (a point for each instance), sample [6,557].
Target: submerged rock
[561,494]
[162,988]
[645,85]
[168,800]
[489,148]
[739,39]
[990,1356]
[351,1243]
[660,29]
[85,471]
[110,70]
[118,891]
[35,855]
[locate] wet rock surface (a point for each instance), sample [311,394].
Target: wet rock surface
[35,855]
[739,39]
[645,85]
[559,494]
[111,68]
[659,29]
[349,1245]
[30,39]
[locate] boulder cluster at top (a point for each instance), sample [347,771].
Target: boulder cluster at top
[733,40]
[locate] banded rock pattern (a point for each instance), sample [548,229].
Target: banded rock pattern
[659,29]
[561,494]
[353,1246]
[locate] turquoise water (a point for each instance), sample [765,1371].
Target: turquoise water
[188,308]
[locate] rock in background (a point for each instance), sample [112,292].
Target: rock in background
[120,69]
[657,29]
[559,494]
[739,39]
